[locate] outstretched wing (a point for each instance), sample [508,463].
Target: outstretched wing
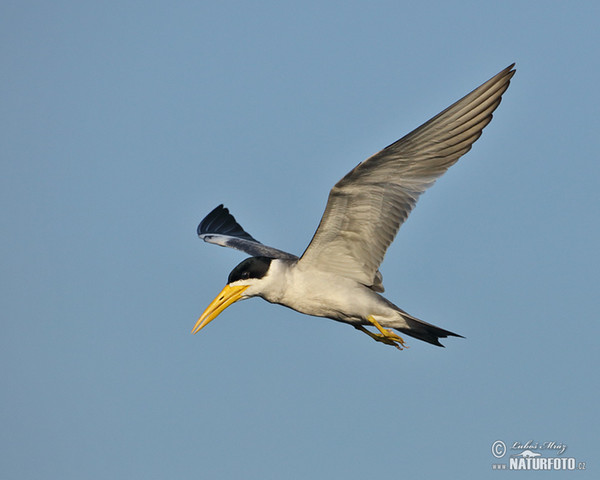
[219,227]
[366,208]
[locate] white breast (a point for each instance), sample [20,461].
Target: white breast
[322,294]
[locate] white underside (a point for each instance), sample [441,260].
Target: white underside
[324,294]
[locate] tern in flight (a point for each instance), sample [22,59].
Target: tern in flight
[338,275]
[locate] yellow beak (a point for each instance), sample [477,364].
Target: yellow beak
[230,294]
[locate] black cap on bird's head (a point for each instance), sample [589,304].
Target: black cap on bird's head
[253,267]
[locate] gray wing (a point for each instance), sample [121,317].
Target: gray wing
[219,227]
[366,208]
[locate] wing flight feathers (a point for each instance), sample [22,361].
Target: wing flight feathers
[220,228]
[366,208]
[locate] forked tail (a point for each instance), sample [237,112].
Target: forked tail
[424,331]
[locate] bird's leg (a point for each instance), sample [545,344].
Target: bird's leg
[377,337]
[388,337]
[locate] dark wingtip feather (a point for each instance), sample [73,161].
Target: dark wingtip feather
[220,221]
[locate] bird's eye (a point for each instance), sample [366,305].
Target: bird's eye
[246,275]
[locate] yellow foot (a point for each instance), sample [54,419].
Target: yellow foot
[386,336]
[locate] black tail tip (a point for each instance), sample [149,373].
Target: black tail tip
[426,332]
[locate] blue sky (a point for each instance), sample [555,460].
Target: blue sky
[124,123]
